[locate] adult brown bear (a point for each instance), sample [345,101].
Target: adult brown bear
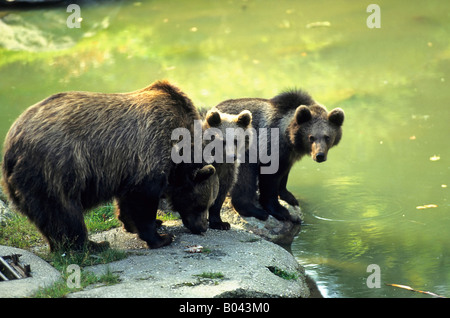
[74,150]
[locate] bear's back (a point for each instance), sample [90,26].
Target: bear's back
[260,108]
[108,137]
[119,118]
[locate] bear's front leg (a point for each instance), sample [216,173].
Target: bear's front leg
[154,240]
[215,221]
[287,196]
[268,197]
[140,210]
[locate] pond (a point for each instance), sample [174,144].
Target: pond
[382,196]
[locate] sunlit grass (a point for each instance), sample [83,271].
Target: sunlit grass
[18,231]
[101,219]
[60,288]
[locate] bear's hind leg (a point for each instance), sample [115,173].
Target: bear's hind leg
[268,198]
[64,228]
[125,218]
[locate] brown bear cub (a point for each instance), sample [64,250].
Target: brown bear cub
[75,150]
[303,127]
[237,126]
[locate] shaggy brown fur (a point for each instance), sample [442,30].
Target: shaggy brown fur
[305,127]
[74,150]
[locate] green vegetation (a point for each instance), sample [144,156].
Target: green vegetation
[211,275]
[101,219]
[18,231]
[62,260]
[283,274]
[166,216]
[84,258]
[207,278]
[61,288]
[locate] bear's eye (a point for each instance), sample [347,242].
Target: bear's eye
[311,138]
[327,138]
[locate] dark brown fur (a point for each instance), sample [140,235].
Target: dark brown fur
[74,150]
[305,127]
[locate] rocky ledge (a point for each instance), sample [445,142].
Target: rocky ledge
[241,262]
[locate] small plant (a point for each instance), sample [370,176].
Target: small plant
[283,274]
[206,250]
[211,275]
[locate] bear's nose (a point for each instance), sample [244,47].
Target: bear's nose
[320,157]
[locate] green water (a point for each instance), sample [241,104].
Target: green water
[393,83]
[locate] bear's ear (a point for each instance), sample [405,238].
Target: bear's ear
[244,119]
[336,116]
[302,114]
[203,173]
[213,118]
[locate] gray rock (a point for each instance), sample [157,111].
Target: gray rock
[242,258]
[246,261]
[5,213]
[273,230]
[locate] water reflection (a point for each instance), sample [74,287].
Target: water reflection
[20,35]
[365,204]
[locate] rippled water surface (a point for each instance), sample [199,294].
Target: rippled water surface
[382,196]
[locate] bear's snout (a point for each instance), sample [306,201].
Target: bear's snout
[196,224]
[321,157]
